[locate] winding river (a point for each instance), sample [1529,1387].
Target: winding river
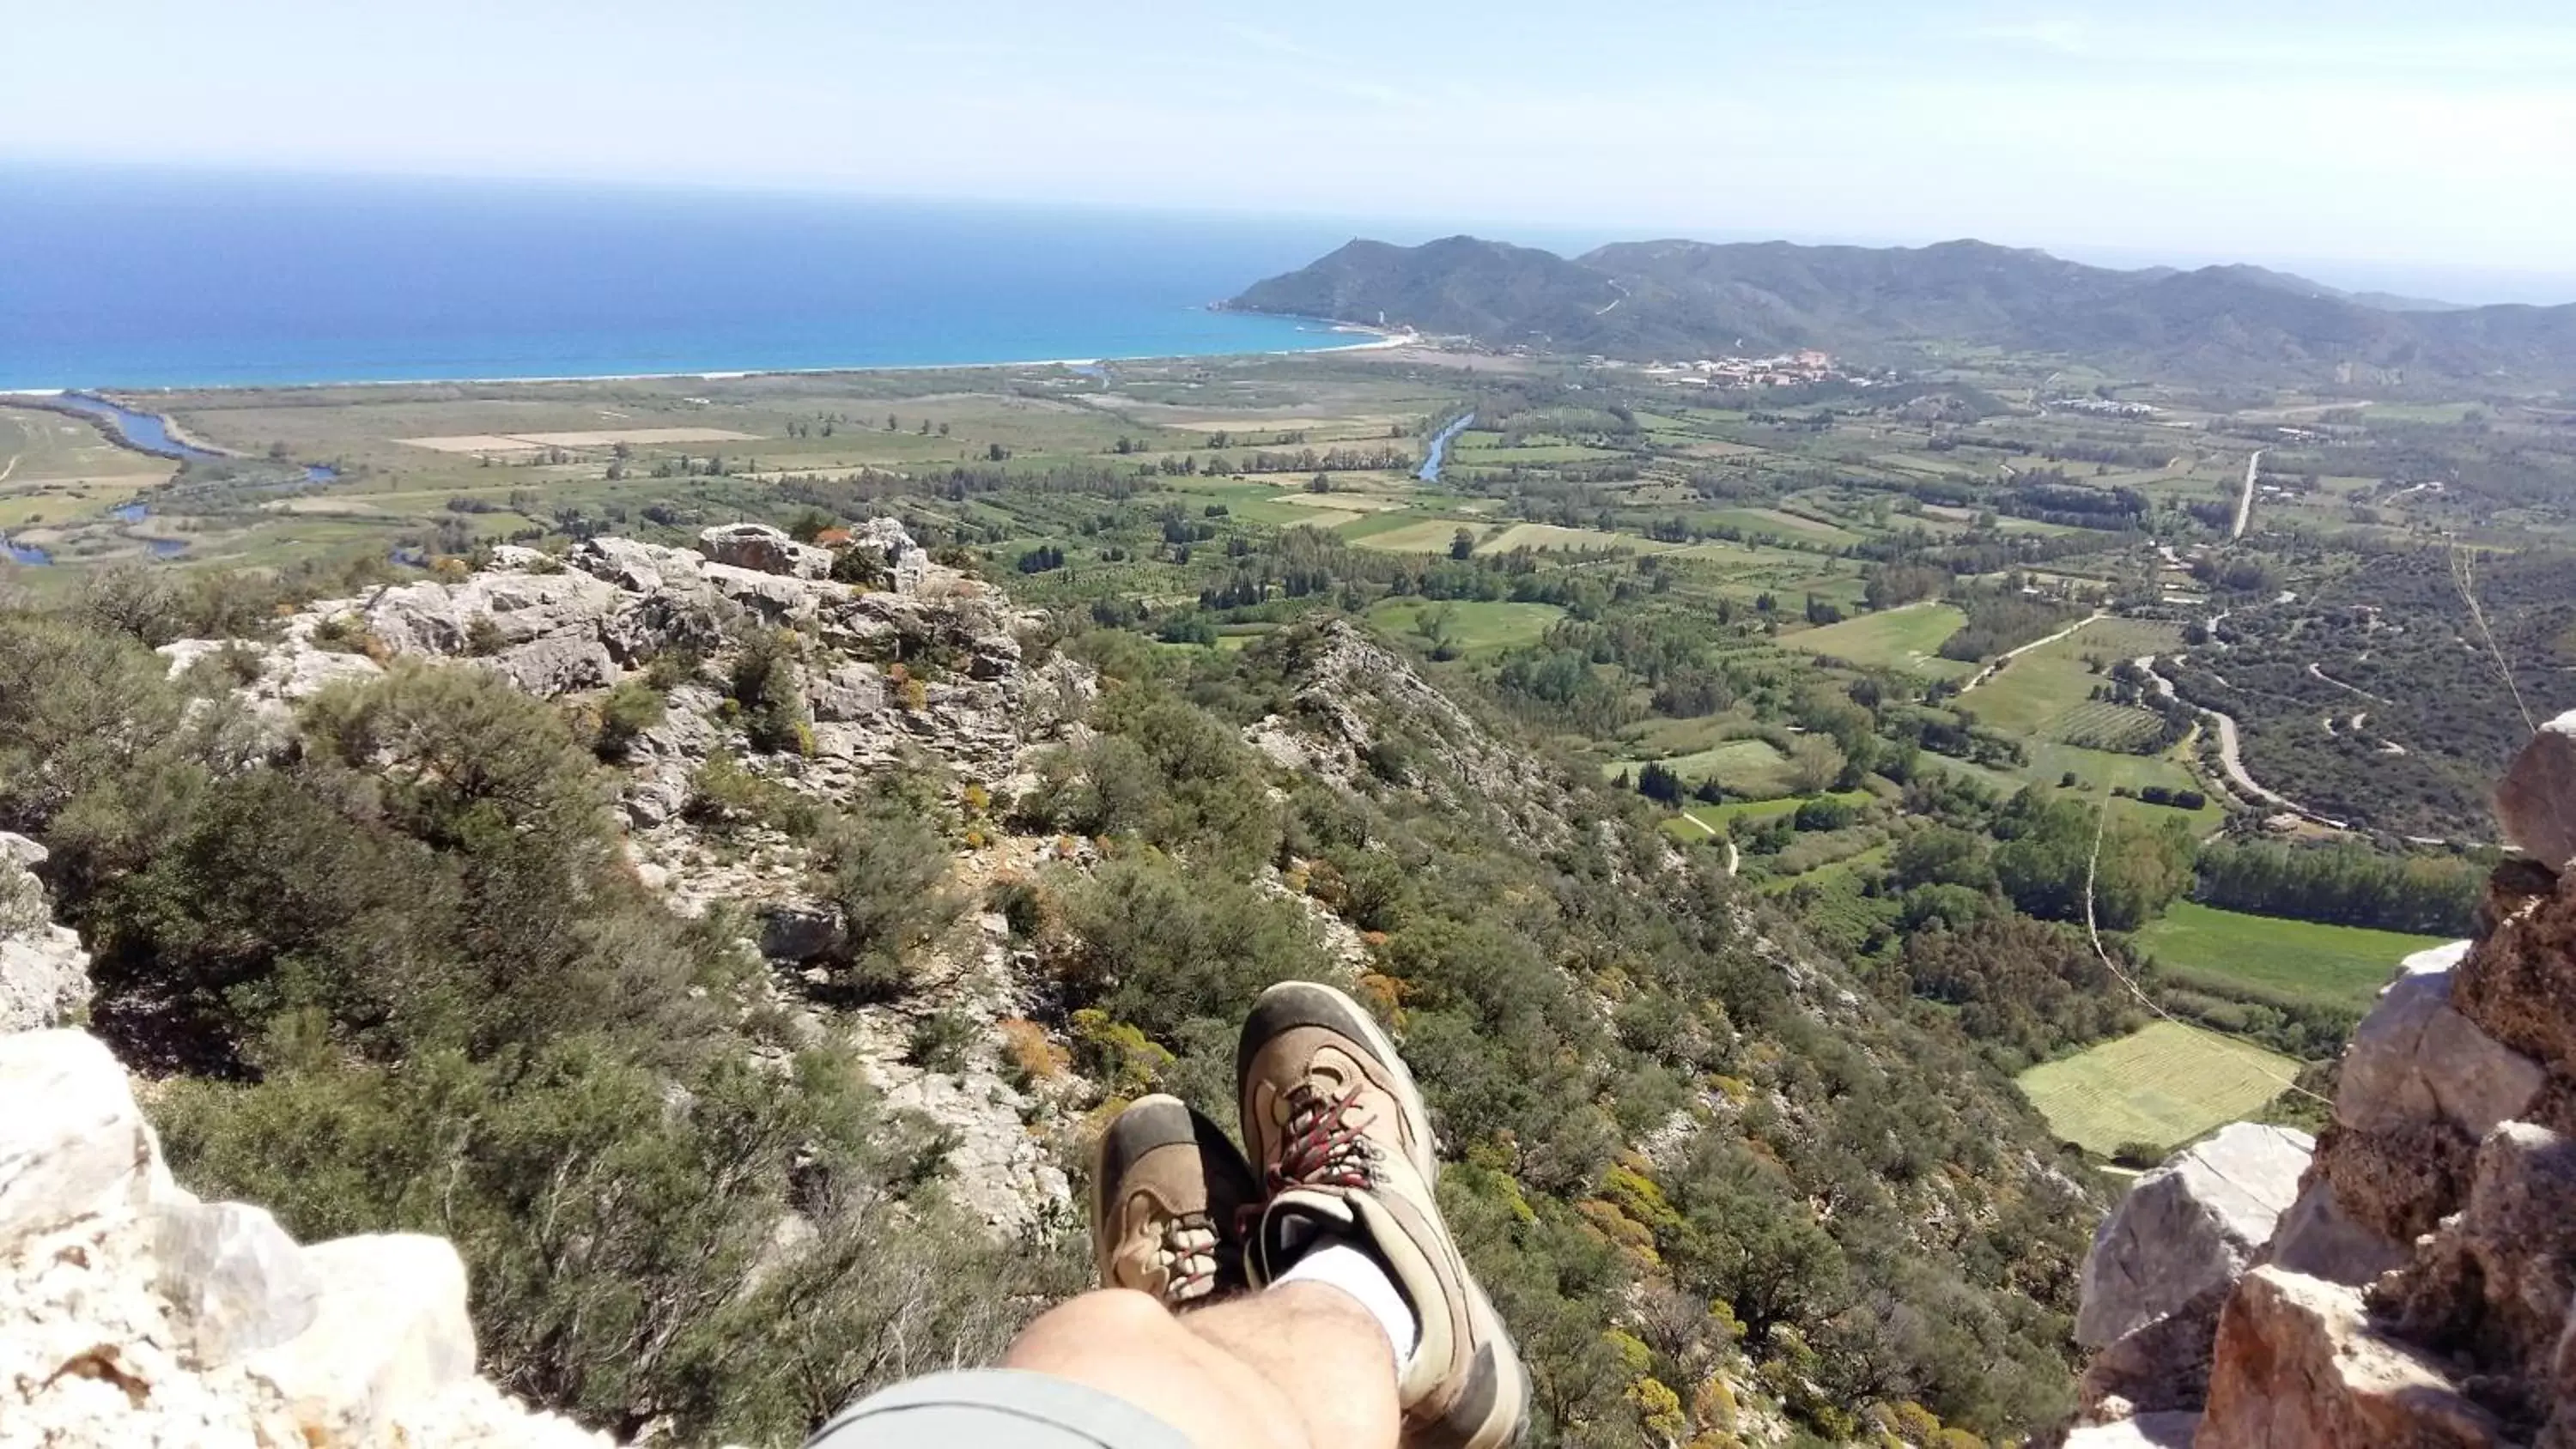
[144,433]
[1439,449]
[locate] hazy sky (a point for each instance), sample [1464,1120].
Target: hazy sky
[2438,137]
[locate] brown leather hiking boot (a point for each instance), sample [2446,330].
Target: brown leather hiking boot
[1168,1192]
[1334,1121]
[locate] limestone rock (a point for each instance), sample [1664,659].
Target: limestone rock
[2188,1227]
[2318,1238]
[439,618]
[637,568]
[2414,1060]
[2536,799]
[2497,1283]
[2161,1368]
[2297,1366]
[2146,1431]
[2519,985]
[389,1330]
[132,1314]
[44,973]
[763,549]
[776,598]
[558,664]
[848,693]
[72,1143]
[2419,1085]
[235,1281]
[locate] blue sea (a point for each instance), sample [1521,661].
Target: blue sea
[146,278]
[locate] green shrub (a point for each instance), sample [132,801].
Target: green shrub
[1159,946]
[628,710]
[887,872]
[763,682]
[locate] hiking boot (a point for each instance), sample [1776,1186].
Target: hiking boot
[1334,1121]
[1168,1193]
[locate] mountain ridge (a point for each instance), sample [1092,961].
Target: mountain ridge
[1906,305]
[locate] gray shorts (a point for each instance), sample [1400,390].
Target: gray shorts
[995,1409]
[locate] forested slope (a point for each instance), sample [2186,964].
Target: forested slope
[436,908]
[1902,305]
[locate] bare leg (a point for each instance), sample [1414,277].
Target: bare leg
[1296,1367]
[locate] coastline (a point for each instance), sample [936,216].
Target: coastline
[1380,338]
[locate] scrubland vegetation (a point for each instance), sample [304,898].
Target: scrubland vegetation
[399,977]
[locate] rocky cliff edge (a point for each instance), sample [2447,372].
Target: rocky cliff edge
[2412,1280]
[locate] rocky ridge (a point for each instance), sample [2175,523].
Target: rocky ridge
[44,973]
[2413,1280]
[136,1314]
[921,670]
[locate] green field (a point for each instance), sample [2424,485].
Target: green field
[2164,1084]
[1718,817]
[1405,533]
[1740,767]
[1473,626]
[2341,966]
[2044,691]
[1902,638]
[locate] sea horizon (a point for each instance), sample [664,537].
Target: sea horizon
[138,280]
[1378,338]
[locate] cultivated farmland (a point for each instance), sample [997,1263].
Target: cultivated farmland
[2163,1084]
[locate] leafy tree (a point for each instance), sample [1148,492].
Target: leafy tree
[1814,763]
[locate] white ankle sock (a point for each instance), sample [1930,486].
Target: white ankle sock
[1357,1274]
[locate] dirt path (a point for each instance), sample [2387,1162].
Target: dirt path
[1732,859]
[2245,499]
[2009,655]
[2315,673]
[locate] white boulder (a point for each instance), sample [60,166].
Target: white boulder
[235,1281]
[389,1330]
[72,1143]
[2536,799]
[2190,1227]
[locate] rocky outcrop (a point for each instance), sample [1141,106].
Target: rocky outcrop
[132,1313]
[762,549]
[2191,1225]
[2165,1260]
[2536,800]
[919,672]
[1360,710]
[44,973]
[2495,1287]
[2422,1290]
[2300,1367]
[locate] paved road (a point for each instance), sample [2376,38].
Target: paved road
[2245,499]
[2231,760]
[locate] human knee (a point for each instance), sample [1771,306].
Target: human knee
[1104,1318]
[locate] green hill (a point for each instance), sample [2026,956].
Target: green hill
[1901,304]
